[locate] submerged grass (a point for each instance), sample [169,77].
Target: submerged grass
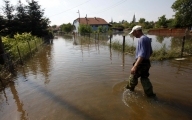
[160,54]
[163,53]
[128,49]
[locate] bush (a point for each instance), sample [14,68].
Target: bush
[21,42]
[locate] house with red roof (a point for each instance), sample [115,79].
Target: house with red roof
[93,22]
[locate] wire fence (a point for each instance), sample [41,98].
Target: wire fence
[17,54]
[95,36]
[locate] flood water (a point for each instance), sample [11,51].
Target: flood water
[158,41]
[75,80]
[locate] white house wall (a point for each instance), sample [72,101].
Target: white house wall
[76,24]
[94,27]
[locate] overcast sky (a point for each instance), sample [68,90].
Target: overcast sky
[65,11]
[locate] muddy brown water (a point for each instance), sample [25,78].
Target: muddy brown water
[67,80]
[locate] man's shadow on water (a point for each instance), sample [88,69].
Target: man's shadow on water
[66,104]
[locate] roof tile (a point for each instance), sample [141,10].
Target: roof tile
[92,21]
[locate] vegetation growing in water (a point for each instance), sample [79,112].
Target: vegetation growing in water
[24,42]
[160,54]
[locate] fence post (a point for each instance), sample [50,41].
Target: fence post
[19,55]
[29,47]
[182,48]
[110,38]
[2,61]
[36,44]
[123,43]
[10,64]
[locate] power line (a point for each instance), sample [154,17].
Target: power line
[71,8]
[110,7]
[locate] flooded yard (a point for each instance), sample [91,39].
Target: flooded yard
[72,80]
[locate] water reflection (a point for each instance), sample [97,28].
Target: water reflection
[3,91]
[171,41]
[75,41]
[160,39]
[68,37]
[110,54]
[42,63]
[123,60]
[45,63]
[20,105]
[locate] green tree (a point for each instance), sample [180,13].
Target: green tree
[2,25]
[100,29]
[142,20]
[149,25]
[105,29]
[54,26]
[162,21]
[171,23]
[183,11]
[38,24]
[126,24]
[67,27]
[132,25]
[118,25]
[83,29]
[21,18]
[8,10]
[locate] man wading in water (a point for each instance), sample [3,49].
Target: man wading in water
[142,64]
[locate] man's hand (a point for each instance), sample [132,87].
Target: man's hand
[133,70]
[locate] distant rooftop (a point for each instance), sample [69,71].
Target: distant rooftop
[92,21]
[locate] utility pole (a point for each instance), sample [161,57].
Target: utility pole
[79,21]
[79,16]
[86,19]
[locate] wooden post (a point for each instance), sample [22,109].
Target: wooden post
[19,55]
[29,47]
[123,43]
[36,44]
[10,64]
[2,61]
[110,38]
[182,48]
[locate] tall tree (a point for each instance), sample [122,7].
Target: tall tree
[142,20]
[162,21]
[83,29]
[67,27]
[37,23]
[8,10]
[2,24]
[21,18]
[183,11]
